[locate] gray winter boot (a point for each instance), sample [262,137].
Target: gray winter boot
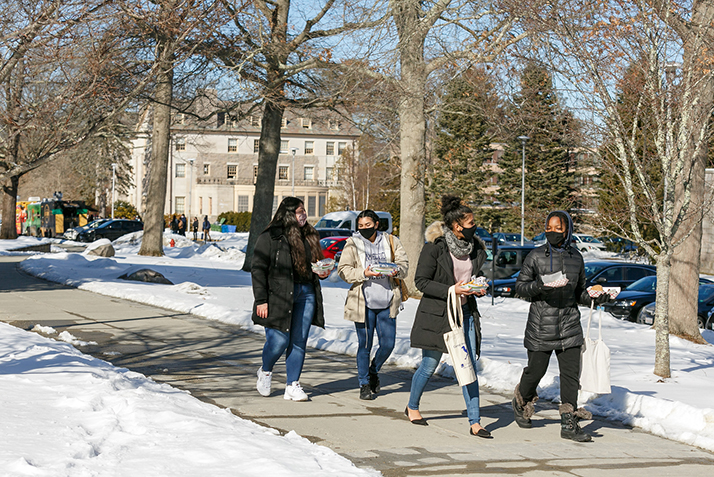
[522,411]
[569,424]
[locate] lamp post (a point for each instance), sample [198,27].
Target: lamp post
[523,186]
[114,180]
[292,174]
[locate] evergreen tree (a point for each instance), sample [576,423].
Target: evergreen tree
[552,133]
[464,134]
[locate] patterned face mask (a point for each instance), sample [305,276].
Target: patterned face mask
[301,218]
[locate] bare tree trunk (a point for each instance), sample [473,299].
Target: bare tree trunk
[412,130]
[153,242]
[268,152]
[9,196]
[686,261]
[662,368]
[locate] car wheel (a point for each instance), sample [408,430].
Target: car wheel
[640,319]
[700,321]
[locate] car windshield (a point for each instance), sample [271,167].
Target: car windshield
[591,270]
[589,239]
[326,242]
[328,223]
[706,293]
[483,233]
[646,284]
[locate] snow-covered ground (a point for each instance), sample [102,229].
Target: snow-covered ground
[210,284]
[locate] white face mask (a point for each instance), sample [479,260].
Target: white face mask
[301,218]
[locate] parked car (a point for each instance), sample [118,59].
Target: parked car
[332,245]
[328,232]
[112,230]
[505,287]
[73,234]
[484,235]
[609,273]
[512,238]
[630,301]
[509,259]
[539,239]
[347,219]
[587,243]
[705,305]
[618,244]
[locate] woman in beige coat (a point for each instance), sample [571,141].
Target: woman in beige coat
[374,300]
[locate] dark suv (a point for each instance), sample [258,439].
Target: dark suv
[616,274]
[111,230]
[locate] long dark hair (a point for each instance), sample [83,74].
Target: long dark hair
[285,217]
[453,209]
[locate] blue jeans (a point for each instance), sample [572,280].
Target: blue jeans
[294,340]
[430,360]
[386,333]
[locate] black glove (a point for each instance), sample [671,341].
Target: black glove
[602,299]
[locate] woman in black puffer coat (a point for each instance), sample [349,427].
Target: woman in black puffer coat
[554,324]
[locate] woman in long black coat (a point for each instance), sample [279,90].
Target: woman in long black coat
[554,324]
[452,254]
[288,299]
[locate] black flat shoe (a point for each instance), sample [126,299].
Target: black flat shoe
[480,433]
[418,422]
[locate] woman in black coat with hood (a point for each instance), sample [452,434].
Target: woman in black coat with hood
[554,324]
[288,299]
[451,256]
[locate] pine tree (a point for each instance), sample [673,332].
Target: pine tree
[463,139]
[551,129]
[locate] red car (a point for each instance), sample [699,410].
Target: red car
[332,245]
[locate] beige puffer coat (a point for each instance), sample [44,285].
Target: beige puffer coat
[351,269]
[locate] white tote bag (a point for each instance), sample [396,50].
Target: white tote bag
[595,361]
[456,341]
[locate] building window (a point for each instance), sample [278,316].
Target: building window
[180,170]
[341,148]
[311,206]
[309,173]
[284,147]
[232,171]
[284,123]
[256,146]
[275,204]
[255,173]
[180,143]
[181,118]
[282,173]
[232,145]
[306,123]
[255,121]
[328,173]
[206,169]
[321,205]
[220,119]
[180,205]
[330,148]
[333,124]
[242,203]
[309,147]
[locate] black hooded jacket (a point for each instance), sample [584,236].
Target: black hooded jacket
[554,317]
[273,281]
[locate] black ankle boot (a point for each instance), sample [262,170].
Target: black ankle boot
[570,429]
[374,383]
[365,393]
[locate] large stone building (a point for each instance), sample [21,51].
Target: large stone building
[213,166]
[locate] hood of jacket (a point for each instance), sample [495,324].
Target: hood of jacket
[436,231]
[569,232]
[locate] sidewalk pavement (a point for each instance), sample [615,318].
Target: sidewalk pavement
[217,363]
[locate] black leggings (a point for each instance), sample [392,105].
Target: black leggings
[569,362]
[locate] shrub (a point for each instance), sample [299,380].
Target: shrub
[240,219]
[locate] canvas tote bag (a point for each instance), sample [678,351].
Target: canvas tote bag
[595,361]
[456,341]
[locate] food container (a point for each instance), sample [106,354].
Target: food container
[554,280]
[384,268]
[324,265]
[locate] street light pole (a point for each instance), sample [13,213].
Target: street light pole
[114,180]
[292,174]
[523,186]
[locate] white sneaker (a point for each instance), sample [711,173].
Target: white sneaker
[294,392]
[264,382]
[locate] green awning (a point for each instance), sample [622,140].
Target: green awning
[56,211]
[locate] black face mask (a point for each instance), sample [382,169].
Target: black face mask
[367,233]
[555,239]
[469,233]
